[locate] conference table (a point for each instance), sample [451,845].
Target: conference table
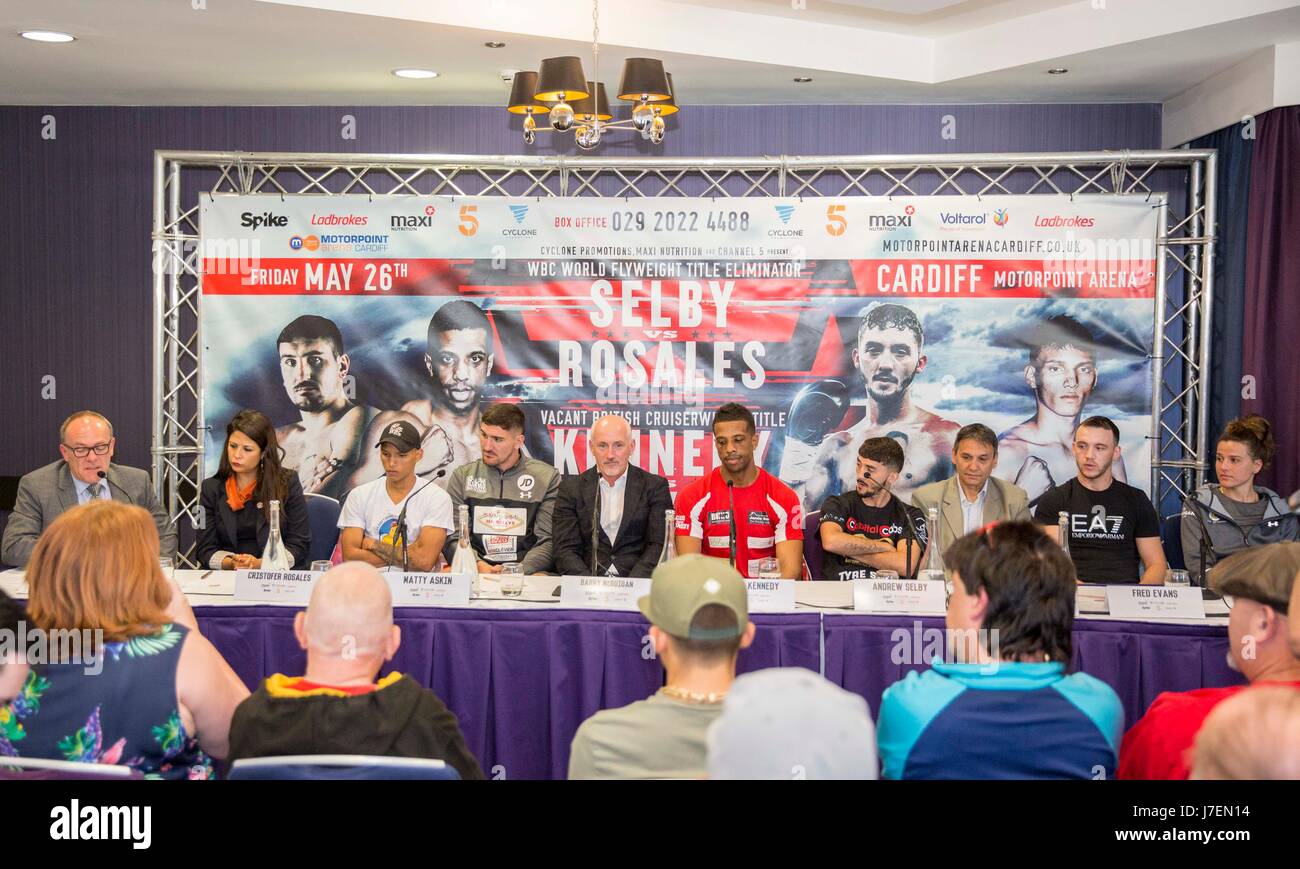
[522,674]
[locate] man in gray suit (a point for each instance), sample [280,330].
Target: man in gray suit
[84,473]
[973,497]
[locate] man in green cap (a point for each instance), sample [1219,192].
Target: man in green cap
[699,621]
[1257,585]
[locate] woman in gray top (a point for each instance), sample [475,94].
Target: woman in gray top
[1219,520]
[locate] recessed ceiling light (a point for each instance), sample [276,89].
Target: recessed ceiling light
[1057,70]
[494,45]
[47,36]
[803,79]
[415,73]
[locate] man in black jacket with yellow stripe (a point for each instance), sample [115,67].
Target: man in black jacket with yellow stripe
[337,707]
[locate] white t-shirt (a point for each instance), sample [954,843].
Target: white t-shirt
[369,508]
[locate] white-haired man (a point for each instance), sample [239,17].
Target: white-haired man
[613,502]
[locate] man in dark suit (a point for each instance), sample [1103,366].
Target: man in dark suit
[631,505]
[85,473]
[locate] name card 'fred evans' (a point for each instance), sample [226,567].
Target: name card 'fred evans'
[1155,602]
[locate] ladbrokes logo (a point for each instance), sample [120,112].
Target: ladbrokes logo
[890,222]
[1059,221]
[339,220]
[256,221]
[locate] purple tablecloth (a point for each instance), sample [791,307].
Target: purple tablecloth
[520,681]
[867,654]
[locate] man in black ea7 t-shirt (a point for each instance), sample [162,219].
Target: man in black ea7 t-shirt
[1112,525]
[866,529]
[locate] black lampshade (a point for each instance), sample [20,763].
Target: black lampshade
[643,75]
[583,108]
[561,75]
[668,106]
[521,95]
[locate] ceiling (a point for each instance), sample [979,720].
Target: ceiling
[341,52]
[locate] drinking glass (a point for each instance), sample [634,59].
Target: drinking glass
[512,579]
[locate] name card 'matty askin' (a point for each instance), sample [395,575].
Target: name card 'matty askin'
[1155,602]
[606,592]
[275,586]
[770,595]
[899,596]
[429,589]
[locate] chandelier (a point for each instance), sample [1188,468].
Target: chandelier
[560,92]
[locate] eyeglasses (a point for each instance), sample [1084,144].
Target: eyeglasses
[82,452]
[1228,601]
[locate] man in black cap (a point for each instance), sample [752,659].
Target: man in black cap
[391,521]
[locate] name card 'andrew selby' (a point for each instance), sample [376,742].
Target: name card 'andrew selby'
[275,586]
[606,592]
[1155,602]
[899,596]
[428,589]
[770,595]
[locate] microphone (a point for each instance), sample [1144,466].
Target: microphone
[595,531]
[401,520]
[103,475]
[1205,548]
[911,530]
[731,511]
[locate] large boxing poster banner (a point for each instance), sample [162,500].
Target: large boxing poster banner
[833,320]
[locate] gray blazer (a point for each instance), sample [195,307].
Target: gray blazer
[47,492]
[1003,502]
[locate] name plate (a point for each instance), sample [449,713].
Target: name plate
[429,589]
[606,592]
[275,586]
[770,595]
[1155,602]
[913,596]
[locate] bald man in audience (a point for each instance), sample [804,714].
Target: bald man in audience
[1255,736]
[337,706]
[627,503]
[85,472]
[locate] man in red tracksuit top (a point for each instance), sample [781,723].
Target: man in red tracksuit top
[768,515]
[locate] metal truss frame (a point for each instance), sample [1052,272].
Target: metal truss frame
[1184,179]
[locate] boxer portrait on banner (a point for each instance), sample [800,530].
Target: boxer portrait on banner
[1038,454]
[458,360]
[332,445]
[889,355]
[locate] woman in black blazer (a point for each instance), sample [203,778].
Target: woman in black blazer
[236,501]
